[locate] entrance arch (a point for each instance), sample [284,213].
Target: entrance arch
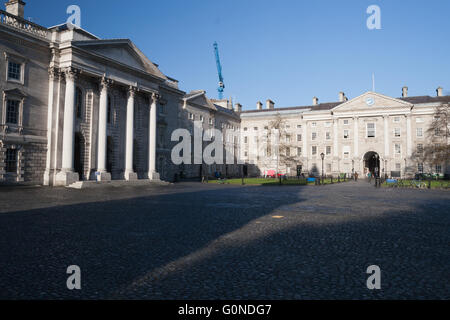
[372,163]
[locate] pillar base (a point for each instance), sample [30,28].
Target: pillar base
[65,178]
[130,175]
[47,178]
[153,175]
[103,176]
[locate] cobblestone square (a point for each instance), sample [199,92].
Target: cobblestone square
[204,241]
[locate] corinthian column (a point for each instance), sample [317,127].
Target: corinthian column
[102,174]
[129,173]
[152,174]
[67,176]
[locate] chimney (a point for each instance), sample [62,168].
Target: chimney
[404,91]
[439,92]
[342,97]
[259,105]
[237,107]
[15,7]
[315,101]
[270,104]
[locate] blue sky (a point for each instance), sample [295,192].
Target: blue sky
[288,51]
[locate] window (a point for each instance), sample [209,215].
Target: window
[346,134]
[299,137]
[78,102]
[420,167]
[327,124]
[314,150]
[328,150]
[245,153]
[437,132]
[202,118]
[12,111]
[266,128]
[11,160]
[14,71]
[328,135]
[288,152]
[210,121]
[346,150]
[396,119]
[419,120]
[109,115]
[288,126]
[245,139]
[313,124]
[288,138]
[398,166]
[328,167]
[419,132]
[314,135]
[345,122]
[438,168]
[245,128]
[299,151]
[397,148]
[161,109]
[191,116]
[397,132]
[299,126]
[371,130]
[255,128]
[420,148]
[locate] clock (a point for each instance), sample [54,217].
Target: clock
[370,101]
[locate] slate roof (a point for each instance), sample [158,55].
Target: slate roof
[331,105]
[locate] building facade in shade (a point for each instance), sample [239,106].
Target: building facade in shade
[77,107]
[357,135]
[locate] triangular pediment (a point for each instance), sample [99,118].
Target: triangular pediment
[371,101]
[121,51]
[202,100]
[15,92]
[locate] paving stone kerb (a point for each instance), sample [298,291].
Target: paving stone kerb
[194,241]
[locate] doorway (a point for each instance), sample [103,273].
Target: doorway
[372,162]
[78,161]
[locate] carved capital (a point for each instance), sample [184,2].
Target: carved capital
[132,91]
[53,73]
[71,73]
[105,83]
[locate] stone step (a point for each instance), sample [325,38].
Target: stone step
[115,183]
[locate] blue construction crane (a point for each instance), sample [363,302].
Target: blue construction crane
[219,71]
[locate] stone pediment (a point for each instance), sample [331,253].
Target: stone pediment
[121,51]
[203,101]
[372,101]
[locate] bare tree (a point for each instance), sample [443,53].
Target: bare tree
[437,149]
[283,143]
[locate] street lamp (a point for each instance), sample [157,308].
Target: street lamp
[377,171]
[322,155]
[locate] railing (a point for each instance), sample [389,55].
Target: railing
[23,25]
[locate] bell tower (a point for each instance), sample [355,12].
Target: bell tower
[15,7]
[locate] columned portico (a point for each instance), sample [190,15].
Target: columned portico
[66,176]
[152,174]
[102,174]
[129,172]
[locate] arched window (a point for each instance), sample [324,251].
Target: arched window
[79,102]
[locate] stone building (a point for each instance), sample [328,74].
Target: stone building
[357,135]
[218,114]
[76,107]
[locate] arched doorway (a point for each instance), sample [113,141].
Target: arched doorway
[372,163]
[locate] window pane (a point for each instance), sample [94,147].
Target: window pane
[12,111]
[11,160]
[14,70]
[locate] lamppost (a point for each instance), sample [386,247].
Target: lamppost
[322,155]
[377,171]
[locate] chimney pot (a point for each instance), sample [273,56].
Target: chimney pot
[270,104]
[439,92]
[342,97]
[259,105]
[404,91]
[237,107]
[15,7]
[315,101]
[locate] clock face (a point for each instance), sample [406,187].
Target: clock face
[370,101]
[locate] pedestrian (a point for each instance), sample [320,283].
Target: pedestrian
[356,176]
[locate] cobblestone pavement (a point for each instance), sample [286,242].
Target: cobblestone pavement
[194,241]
